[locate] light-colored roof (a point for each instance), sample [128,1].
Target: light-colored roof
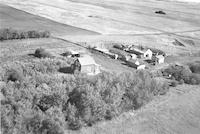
[74,52]
[160,56]
[87,60]
[102,49]
[148,50]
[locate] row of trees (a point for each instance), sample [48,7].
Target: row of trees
[10,34]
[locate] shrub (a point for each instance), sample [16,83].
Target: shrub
[13,75]
[48,101]
[42,53]
[40,125]
[195,67]
[73,120]
[174,83]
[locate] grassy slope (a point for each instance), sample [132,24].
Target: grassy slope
[21,20]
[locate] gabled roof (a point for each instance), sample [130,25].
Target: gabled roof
[87,60]
[102,49]
[148,50]
[160,56]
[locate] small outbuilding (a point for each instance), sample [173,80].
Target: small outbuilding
[160,59]
[135,64]
[133,56]
[88,65]
[148,54]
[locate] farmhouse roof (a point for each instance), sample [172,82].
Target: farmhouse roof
[87,60]
[160,56]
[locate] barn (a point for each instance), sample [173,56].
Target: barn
[88,65]
[160,59]
[135,64]
[148,54]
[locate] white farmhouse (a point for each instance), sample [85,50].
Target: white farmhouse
[148,54]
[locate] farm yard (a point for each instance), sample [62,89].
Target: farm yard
[117,67]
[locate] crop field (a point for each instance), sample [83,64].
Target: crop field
[21,20]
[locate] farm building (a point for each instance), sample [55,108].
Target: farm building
[135,64]
[133,56]
[88,65]
[106,52]
[71,53]
[160,59]
[148,54]
[75,53]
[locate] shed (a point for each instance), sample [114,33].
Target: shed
[88,65]
[160,59]
[133,56]
[148,54]
[135,51]
[75,53]
[135,64]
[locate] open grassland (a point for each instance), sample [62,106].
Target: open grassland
[116,17]
[20,20]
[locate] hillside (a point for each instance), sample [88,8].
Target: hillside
[115,17]
[20,20]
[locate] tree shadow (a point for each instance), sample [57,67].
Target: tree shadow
[67,70]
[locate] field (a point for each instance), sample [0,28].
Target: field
[75,24]
[20,20]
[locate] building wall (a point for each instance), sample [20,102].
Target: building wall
[161,60]
[148,54]
[90,69]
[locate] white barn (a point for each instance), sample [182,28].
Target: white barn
[148,54]
[88,65]
[160,59]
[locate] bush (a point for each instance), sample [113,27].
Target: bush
[40,125]
[195,67]
[48,101]
[13,75]
[42,53]
[174,83]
